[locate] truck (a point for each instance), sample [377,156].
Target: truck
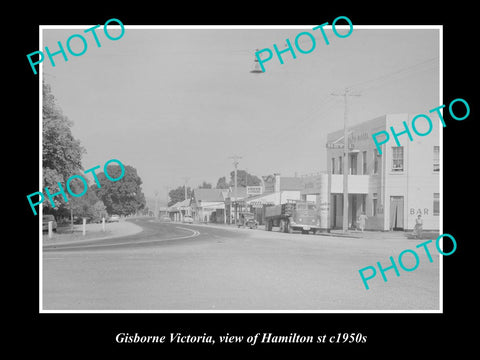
[294,215]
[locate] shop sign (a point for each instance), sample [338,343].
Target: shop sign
[254,190]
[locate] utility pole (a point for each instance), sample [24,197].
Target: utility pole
[246,188]
[235,159]
[345,94]
[185,186]
[156,203]
[167,189]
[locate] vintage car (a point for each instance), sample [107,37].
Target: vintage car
[247,219]
[187,219]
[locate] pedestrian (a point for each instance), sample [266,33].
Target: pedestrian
[417,230]
[361,221]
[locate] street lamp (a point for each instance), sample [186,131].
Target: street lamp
[256,66]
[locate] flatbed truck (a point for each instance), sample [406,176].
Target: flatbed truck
[291,216]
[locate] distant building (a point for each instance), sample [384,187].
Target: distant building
[179,210]
[234,203]
[208,205]
[277,190]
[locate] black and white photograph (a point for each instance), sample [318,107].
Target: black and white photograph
[244,183]
[208,177]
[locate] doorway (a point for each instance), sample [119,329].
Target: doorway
[396,213]
[352,202]
[334,212]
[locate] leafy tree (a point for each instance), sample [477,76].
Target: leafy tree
[222,183]
[146,211]
[243,179]
[87,205]
[205,185]
[122,197]
[178,194]
[98,211]
[61,152]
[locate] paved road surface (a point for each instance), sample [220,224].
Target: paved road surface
[171,266]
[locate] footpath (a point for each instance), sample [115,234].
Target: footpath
[65,235]
[332,233]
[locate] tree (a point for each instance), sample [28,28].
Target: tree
[243,179]
[122,197]
[222,183]
[178,194]
[87,205]
[98,211]
[61,152]
[205,185]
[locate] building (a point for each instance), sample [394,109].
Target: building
[234,203]
[208,205]
[316,189]
[179,210]
[277,190]
[392,188]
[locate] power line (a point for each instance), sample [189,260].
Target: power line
[385,77]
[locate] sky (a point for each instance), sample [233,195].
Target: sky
[177,103]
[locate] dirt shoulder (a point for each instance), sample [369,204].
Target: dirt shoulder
[65,235]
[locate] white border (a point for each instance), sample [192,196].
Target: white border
[263,27]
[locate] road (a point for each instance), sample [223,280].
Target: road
[173,266]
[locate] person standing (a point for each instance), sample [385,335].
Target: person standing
[417,231]
[361,221]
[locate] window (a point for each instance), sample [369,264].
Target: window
[364,168]
[340,165]
[436,158]
[436,204]
[374,201]
[397,158]
[375,161]
[353,164]
[333,165]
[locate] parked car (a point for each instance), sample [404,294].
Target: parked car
[114,218]
[46,219]
[188,219]
[166,219]
[247,219]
